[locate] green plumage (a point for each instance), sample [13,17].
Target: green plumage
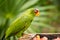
[21,23]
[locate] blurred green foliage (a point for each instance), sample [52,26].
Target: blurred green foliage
[49,19]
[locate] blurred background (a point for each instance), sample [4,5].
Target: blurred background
[47,22]
[49,19]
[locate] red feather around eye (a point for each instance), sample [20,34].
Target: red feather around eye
[36,12]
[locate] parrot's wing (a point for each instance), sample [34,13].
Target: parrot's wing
[15,27]
[27,24]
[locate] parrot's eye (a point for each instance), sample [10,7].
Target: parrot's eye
[36,11]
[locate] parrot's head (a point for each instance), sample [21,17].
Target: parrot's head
[33,11]
[36,11]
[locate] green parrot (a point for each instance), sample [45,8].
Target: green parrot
[22,23]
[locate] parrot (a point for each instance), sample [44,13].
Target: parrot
[21,23]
